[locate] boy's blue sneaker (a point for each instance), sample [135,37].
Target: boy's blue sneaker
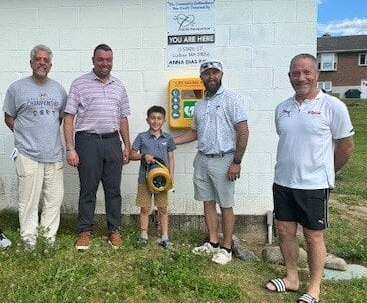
[4,241]
[165,244]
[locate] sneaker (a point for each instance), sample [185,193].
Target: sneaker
[165,244]
[83,240]
[143,241]
[222,256]
[27,247]
[115,239]
[4,241]
[205,249]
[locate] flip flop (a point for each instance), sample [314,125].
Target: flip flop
[307,299]
[279,286]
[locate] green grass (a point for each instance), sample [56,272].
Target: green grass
[352,180]
[151,274]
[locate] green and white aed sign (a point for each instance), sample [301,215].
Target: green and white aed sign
[188,109]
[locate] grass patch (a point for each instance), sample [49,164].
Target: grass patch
[152,274]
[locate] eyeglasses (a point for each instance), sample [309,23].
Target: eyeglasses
[211,64]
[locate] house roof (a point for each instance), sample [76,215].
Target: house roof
[342,44]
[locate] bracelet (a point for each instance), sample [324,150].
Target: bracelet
[70,149]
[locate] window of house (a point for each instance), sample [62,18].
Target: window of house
[362,59]
[327,62]
[325,85]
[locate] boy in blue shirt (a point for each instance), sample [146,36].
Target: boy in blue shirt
[153,143]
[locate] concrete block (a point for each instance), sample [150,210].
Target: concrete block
[263,33]
[241,15]
[250,78]
[81,39]
[255,162]
[77,3]
[140,16]
[6,78]
[28,38]
[61,17]
[261,121]
[281,79]
[142,59]
[307,11]
[155,37]
[222,35]
[274,11]
[260,183]
[265,142]
[112,15]
[296,33]
[234,58]
[19,18]
[8,39]
[242,184]
[267,100]
[65,61]
[133,80]
[11,61]
[240,35]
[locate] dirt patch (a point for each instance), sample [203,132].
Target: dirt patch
[350,211]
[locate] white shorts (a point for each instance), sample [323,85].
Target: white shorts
[210,179]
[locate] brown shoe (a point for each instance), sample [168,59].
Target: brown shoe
[83,240]
[115,239]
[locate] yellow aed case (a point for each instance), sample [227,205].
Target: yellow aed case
[182,96]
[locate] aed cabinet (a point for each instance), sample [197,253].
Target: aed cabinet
[182,95]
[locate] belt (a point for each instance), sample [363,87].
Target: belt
[99,136]
[219,155]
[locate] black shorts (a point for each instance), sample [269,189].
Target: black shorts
[306,207]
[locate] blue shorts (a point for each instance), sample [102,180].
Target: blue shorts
[210,179]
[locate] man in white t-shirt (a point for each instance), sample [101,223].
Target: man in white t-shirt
[315,141]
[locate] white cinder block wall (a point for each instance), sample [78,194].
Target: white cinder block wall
[255,40]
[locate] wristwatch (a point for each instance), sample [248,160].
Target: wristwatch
[236,161]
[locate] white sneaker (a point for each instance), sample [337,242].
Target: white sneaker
[4,241]
[222,256]
[205,249]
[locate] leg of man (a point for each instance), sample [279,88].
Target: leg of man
[53,194]
[211,220]
[289,247]
[111,180]
[30,180]
[90,172]
[227,226]
[316,252]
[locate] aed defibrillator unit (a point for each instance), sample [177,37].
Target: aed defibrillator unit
[182,95]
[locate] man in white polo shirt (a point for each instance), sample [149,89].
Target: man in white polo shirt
[220,127]
[315,141]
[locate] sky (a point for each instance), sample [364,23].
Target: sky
[342,17]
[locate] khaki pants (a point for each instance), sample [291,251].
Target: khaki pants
[39,183]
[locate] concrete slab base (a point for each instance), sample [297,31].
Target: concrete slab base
[354,271]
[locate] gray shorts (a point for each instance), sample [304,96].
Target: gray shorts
[210,179]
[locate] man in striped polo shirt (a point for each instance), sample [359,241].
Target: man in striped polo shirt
[99,103]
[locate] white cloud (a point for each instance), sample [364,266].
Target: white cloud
[346,27]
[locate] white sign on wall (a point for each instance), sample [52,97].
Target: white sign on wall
[190,32]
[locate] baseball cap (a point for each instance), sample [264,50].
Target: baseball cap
[210,64]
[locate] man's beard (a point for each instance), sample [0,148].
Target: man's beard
[212,89]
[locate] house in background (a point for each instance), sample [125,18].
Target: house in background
[343,65]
